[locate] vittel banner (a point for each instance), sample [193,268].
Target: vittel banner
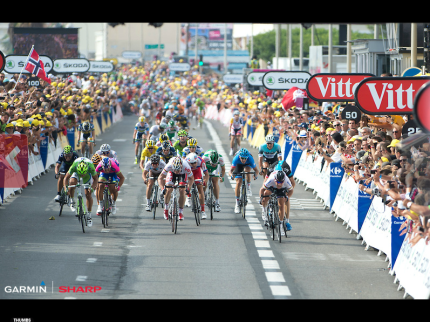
[388,95]
[334,87]
[65,66]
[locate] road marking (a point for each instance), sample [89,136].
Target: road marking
[97,244]
[260,237]
[81,278]
[119,140]
[104,230]
[91,260]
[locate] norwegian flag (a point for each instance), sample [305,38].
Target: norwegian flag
[35,66]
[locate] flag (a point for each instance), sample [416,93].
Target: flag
[289,99]
[35,66]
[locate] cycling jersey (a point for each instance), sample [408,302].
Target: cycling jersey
[182,119]
[147,153]
[249,162]
[158,169]
[110,175]
[91,128]
[236,124]
[166,158]
[62,159]
[186,168]
[171,131]
[272,183]
[283,166]
[177,146]
[156,131]
[201,166]
[199,151]
[270,154]
[86,178]
[142,128]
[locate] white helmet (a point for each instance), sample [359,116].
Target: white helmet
[177,164]
[105,148]
[192,158]
[270,138]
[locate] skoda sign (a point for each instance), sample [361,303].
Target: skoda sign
[285,80]
[65,66]
[14,64]
[255,78]
[100,67]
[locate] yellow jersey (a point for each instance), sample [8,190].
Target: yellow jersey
[146,153]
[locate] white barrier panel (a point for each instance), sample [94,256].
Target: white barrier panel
[412,269]
[376,229]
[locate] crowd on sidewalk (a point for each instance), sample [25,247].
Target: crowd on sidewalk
[372,150]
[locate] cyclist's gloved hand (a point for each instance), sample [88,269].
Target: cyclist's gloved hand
[57,175]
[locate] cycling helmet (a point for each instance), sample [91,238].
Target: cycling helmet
[270,138]
[214,157]
[171,123]
[106,163]
[163,125]
[82,168]
[164,137]
[192,142]
[182,133]
[236,112]
[105,148]
[142,119]
[67,149]
[165,145]
[192,158]
[177,164]
[155,158]
[243,153]
[150,144]
[280,176]
[96,159]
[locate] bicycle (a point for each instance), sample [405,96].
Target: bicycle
[154,196]
[140,148]
[209,196]
[243,199]
[64,197]
[106,203]
[273,220]
[173,206]
[81,211]
[235,139]
[86,153]
[195,202]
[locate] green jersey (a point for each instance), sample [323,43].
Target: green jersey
[178,147]
[207,159]
[91,170]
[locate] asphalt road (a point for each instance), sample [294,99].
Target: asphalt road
[140,258]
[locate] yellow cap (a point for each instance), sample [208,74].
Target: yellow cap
[26,124]
[393,143]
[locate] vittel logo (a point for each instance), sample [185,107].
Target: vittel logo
[337,89]
[393,95]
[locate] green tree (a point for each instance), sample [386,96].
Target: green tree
[265,43]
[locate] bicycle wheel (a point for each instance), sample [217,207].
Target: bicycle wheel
[211,201]
[63,200]
[244,201]
[175,216]
[154,202]
[271,222]
[105,208]
[196,206]
[276,223]
[81,213]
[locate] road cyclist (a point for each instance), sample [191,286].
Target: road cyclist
[86,135]
[198,166]
[242,161]
[269,153]
[81,169]
[236,125]
[147,152]
[166,151]
[64,162]
[140,135]
[150,173]
[214,162]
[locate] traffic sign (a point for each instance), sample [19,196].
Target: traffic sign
[285,80]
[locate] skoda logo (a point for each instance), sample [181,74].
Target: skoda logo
[10,64]
[252,78]
[270,81]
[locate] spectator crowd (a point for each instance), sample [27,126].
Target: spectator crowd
[373,151]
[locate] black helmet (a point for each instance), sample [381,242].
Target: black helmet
[280,176]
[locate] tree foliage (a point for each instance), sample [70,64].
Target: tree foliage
[265,43]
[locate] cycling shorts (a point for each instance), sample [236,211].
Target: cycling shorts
[171,178]
[111,177]
[234,131]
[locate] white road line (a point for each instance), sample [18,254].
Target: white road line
[91,260]
[81,278]
[260,237]
[97,244]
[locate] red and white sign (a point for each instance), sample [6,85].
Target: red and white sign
[422,107]
[334,87]
[388,95]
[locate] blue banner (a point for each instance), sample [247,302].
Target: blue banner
[336,176]
[71,137]
[99,119]
[396,239]
[44,150]
[287,146]
[364,202]
[296,154]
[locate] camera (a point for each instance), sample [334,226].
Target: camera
[376,192]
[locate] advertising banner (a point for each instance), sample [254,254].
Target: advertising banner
[336,175]
[15,64]
[13,161]
[286,80]
[66,66]
[388,95]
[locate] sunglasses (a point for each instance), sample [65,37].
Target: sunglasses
[150,148]
[243,158]
[106,152]
[279,181]
[396,131]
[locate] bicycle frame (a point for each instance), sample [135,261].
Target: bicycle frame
[81,210]
[243,200]
[173,206]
